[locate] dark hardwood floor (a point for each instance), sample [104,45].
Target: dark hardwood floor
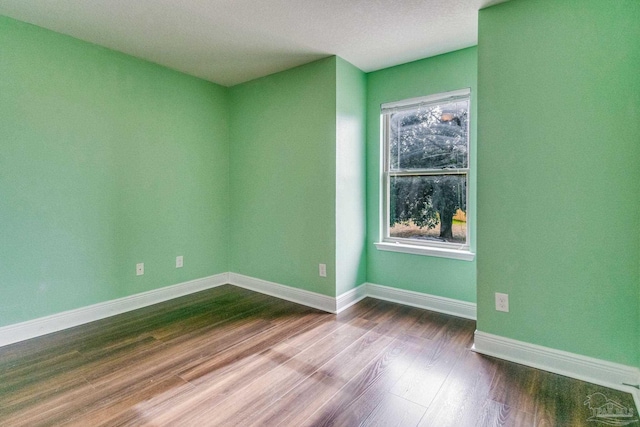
[229,356]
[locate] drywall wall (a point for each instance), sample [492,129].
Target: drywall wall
[350,215]
[283,177]
[436,276]
[106,161]
[559,187]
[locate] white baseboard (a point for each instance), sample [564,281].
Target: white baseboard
[454,307]
[596,371]
[347,299]
[351,297]
[56,322]
[463,309]
[308,298]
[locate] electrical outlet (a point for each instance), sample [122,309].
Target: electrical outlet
[502,302]
[179,261]
[322,270]
[140,269]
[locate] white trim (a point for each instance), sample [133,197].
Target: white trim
[450,306]
[454,307]
[351,297]
[596,371]
[68,319]
[308,298]
[437,98]
[426,250]
[416,246]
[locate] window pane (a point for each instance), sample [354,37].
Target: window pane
[430,137]
[428,208]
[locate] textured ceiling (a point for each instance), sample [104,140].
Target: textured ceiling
[233,41]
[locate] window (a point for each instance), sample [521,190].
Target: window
[425,173]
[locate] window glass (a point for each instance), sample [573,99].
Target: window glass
[426,171]
[430,137]
[429,208]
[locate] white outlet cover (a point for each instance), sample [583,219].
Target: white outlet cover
[322,270]
[140,269]
[179,261]
[502,302]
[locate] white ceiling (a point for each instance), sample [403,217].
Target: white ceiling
[233,41]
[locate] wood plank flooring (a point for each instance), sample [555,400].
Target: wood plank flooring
[229,356]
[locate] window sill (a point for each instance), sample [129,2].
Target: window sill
[425,250]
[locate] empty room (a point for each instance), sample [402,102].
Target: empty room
[241,213]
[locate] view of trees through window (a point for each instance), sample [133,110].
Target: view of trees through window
[428,164]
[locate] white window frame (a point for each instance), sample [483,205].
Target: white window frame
[415,246]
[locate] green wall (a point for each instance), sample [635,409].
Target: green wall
[559,183]
[283,177]
[351,97]
[106,161]
[437,276]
